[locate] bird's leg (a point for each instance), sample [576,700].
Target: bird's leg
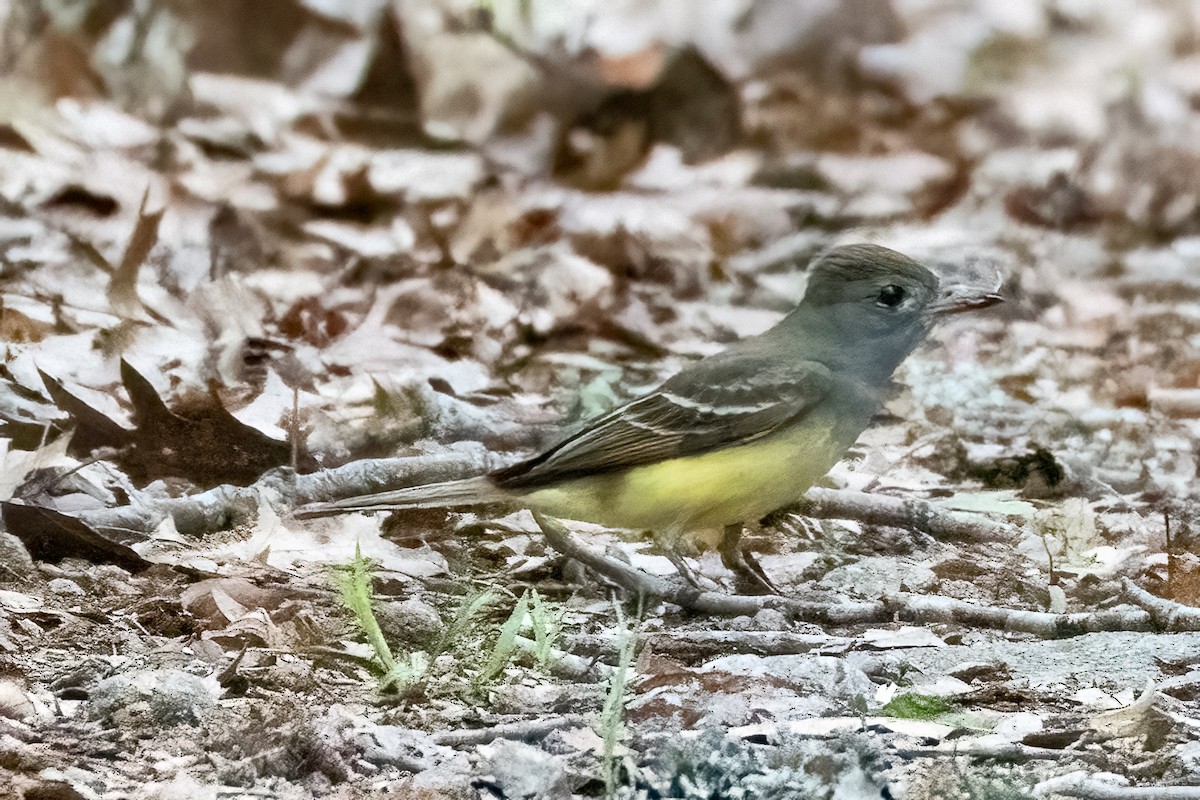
[748,573]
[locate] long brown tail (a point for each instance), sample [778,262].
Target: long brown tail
[471,491]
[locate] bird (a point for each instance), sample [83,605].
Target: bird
[733,436]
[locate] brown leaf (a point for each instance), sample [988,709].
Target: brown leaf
[11,139]
[51,536]
[93,429]
[1183,584]
[388,80]
[309,320]
[18,327]
[65,65]
[76,196]
[209,446]
[692,106]
[235,243]
[206,445]
[1061,204]
[202,601]
[234,37]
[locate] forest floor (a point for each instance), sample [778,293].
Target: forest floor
[229,289]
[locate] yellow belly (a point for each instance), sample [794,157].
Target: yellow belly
[710,490]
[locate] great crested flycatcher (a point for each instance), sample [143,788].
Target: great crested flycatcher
[736,435]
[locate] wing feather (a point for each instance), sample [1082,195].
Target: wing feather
[718,402]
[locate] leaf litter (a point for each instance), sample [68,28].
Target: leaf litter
[435,234]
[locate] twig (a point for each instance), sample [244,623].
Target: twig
[1078,784]
[897,512]
[642,583]
[1170,551]
[226,506]
[933,608]
[697,600]
[1175,402]
[688,645]
[1166,615]
[246,792]
[1049,560]
[903,606]
[693,599]
[1006,751]
[526,730]
[385,474]
[567,665]
[294,429]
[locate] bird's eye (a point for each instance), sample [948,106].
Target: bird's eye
[890,296]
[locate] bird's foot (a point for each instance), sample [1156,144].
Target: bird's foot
[801,526]
[749,576]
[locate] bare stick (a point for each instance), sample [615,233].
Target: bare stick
[1170,551]
[295,428]
[1008,751]
[568,666]
[927,608]
[908,607]
[225,506]
[689,645]
[691,598]
[526,731]
[1165,614]
[897,512]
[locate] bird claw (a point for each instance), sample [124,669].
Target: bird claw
[749,576]
[802,527]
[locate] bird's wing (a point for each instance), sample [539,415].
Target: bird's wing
[716,403]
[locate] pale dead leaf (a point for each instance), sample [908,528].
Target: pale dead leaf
[265,107]
[584,740]
[916,728]
[1094,697]
[100,126]
[298,546]
[254,629]
[16,464]
[16,601]
[812,726]
[420,176]
[372,241]
[905,636]
[1003,503]
[231,609]
[1130,720]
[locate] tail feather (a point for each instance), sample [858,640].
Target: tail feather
[471,491]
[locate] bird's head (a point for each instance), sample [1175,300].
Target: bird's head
[875,305]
